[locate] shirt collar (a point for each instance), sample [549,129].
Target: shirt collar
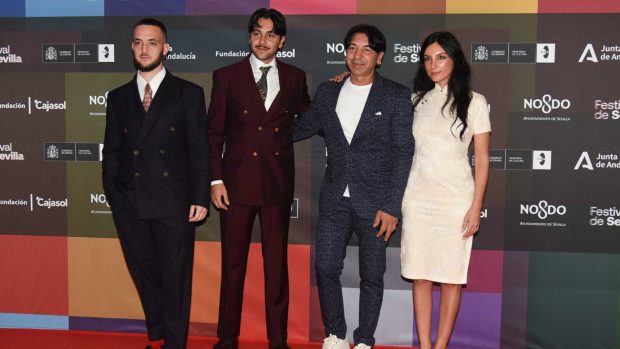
[256,63]
[154,83]
[441,90]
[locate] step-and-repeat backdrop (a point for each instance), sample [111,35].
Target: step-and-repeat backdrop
[545,271]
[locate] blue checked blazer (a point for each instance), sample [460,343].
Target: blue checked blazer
[376,164]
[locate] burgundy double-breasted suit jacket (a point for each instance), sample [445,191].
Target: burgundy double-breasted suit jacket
[251,149]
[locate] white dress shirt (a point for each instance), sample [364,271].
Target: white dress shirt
[155,82]
[273,79]
[351,102]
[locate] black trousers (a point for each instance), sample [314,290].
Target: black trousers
[159,253]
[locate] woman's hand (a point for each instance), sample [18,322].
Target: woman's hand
[471,222]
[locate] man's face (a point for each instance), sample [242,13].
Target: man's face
[361,59]
[264,43]
[149,47]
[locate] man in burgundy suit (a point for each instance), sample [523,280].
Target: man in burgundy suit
[253,105]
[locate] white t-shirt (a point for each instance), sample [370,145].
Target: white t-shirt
[351,102]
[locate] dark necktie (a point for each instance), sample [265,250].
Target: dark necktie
[262,83]
[148,97]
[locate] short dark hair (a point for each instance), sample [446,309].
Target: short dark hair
[153,22]
[376,39]
[279,23]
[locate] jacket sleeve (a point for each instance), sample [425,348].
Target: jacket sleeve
[197,146]
[112,149]
[217,125]
[401,152]
[309,122]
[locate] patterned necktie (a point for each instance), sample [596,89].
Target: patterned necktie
[148,97]
[262,83]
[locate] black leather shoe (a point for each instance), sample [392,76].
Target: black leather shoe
[226,344]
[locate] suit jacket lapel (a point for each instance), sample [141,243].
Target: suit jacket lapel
[135,102]
[333,115]
[164,94]
[276,107]
[372,102]
[247,79]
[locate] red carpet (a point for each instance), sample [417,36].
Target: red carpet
[47,339]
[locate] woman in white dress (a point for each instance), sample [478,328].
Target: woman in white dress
[442,202]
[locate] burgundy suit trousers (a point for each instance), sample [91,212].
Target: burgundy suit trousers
[236,226]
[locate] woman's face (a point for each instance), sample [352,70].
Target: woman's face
[438,64]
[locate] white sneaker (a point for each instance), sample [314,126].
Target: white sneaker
[361,346]
[333,342]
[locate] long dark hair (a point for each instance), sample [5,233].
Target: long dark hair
[459,91]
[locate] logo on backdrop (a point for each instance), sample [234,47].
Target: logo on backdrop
[6,56]
[69,151]
[100,203]
[7,152]
[98,101]
[546,104]
[282,54]
[606,110]
[34,201]
[295,208]
[541,159]
[78,53]
[518,159]
[335,50]
[407,53]
[601,161]
[609,216]
[603,54]
[544,214]
[36,104]
[181,56]
[506,52]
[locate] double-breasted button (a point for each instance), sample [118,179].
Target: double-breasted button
[277,153]
[285,111]
[125,130]
[136,152]
[165,174]
[172,128]
[254,154]
[162,151]
[245,111]
[137,174]
[260,128]
[276,129]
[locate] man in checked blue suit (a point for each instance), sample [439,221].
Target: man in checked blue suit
[366,121]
